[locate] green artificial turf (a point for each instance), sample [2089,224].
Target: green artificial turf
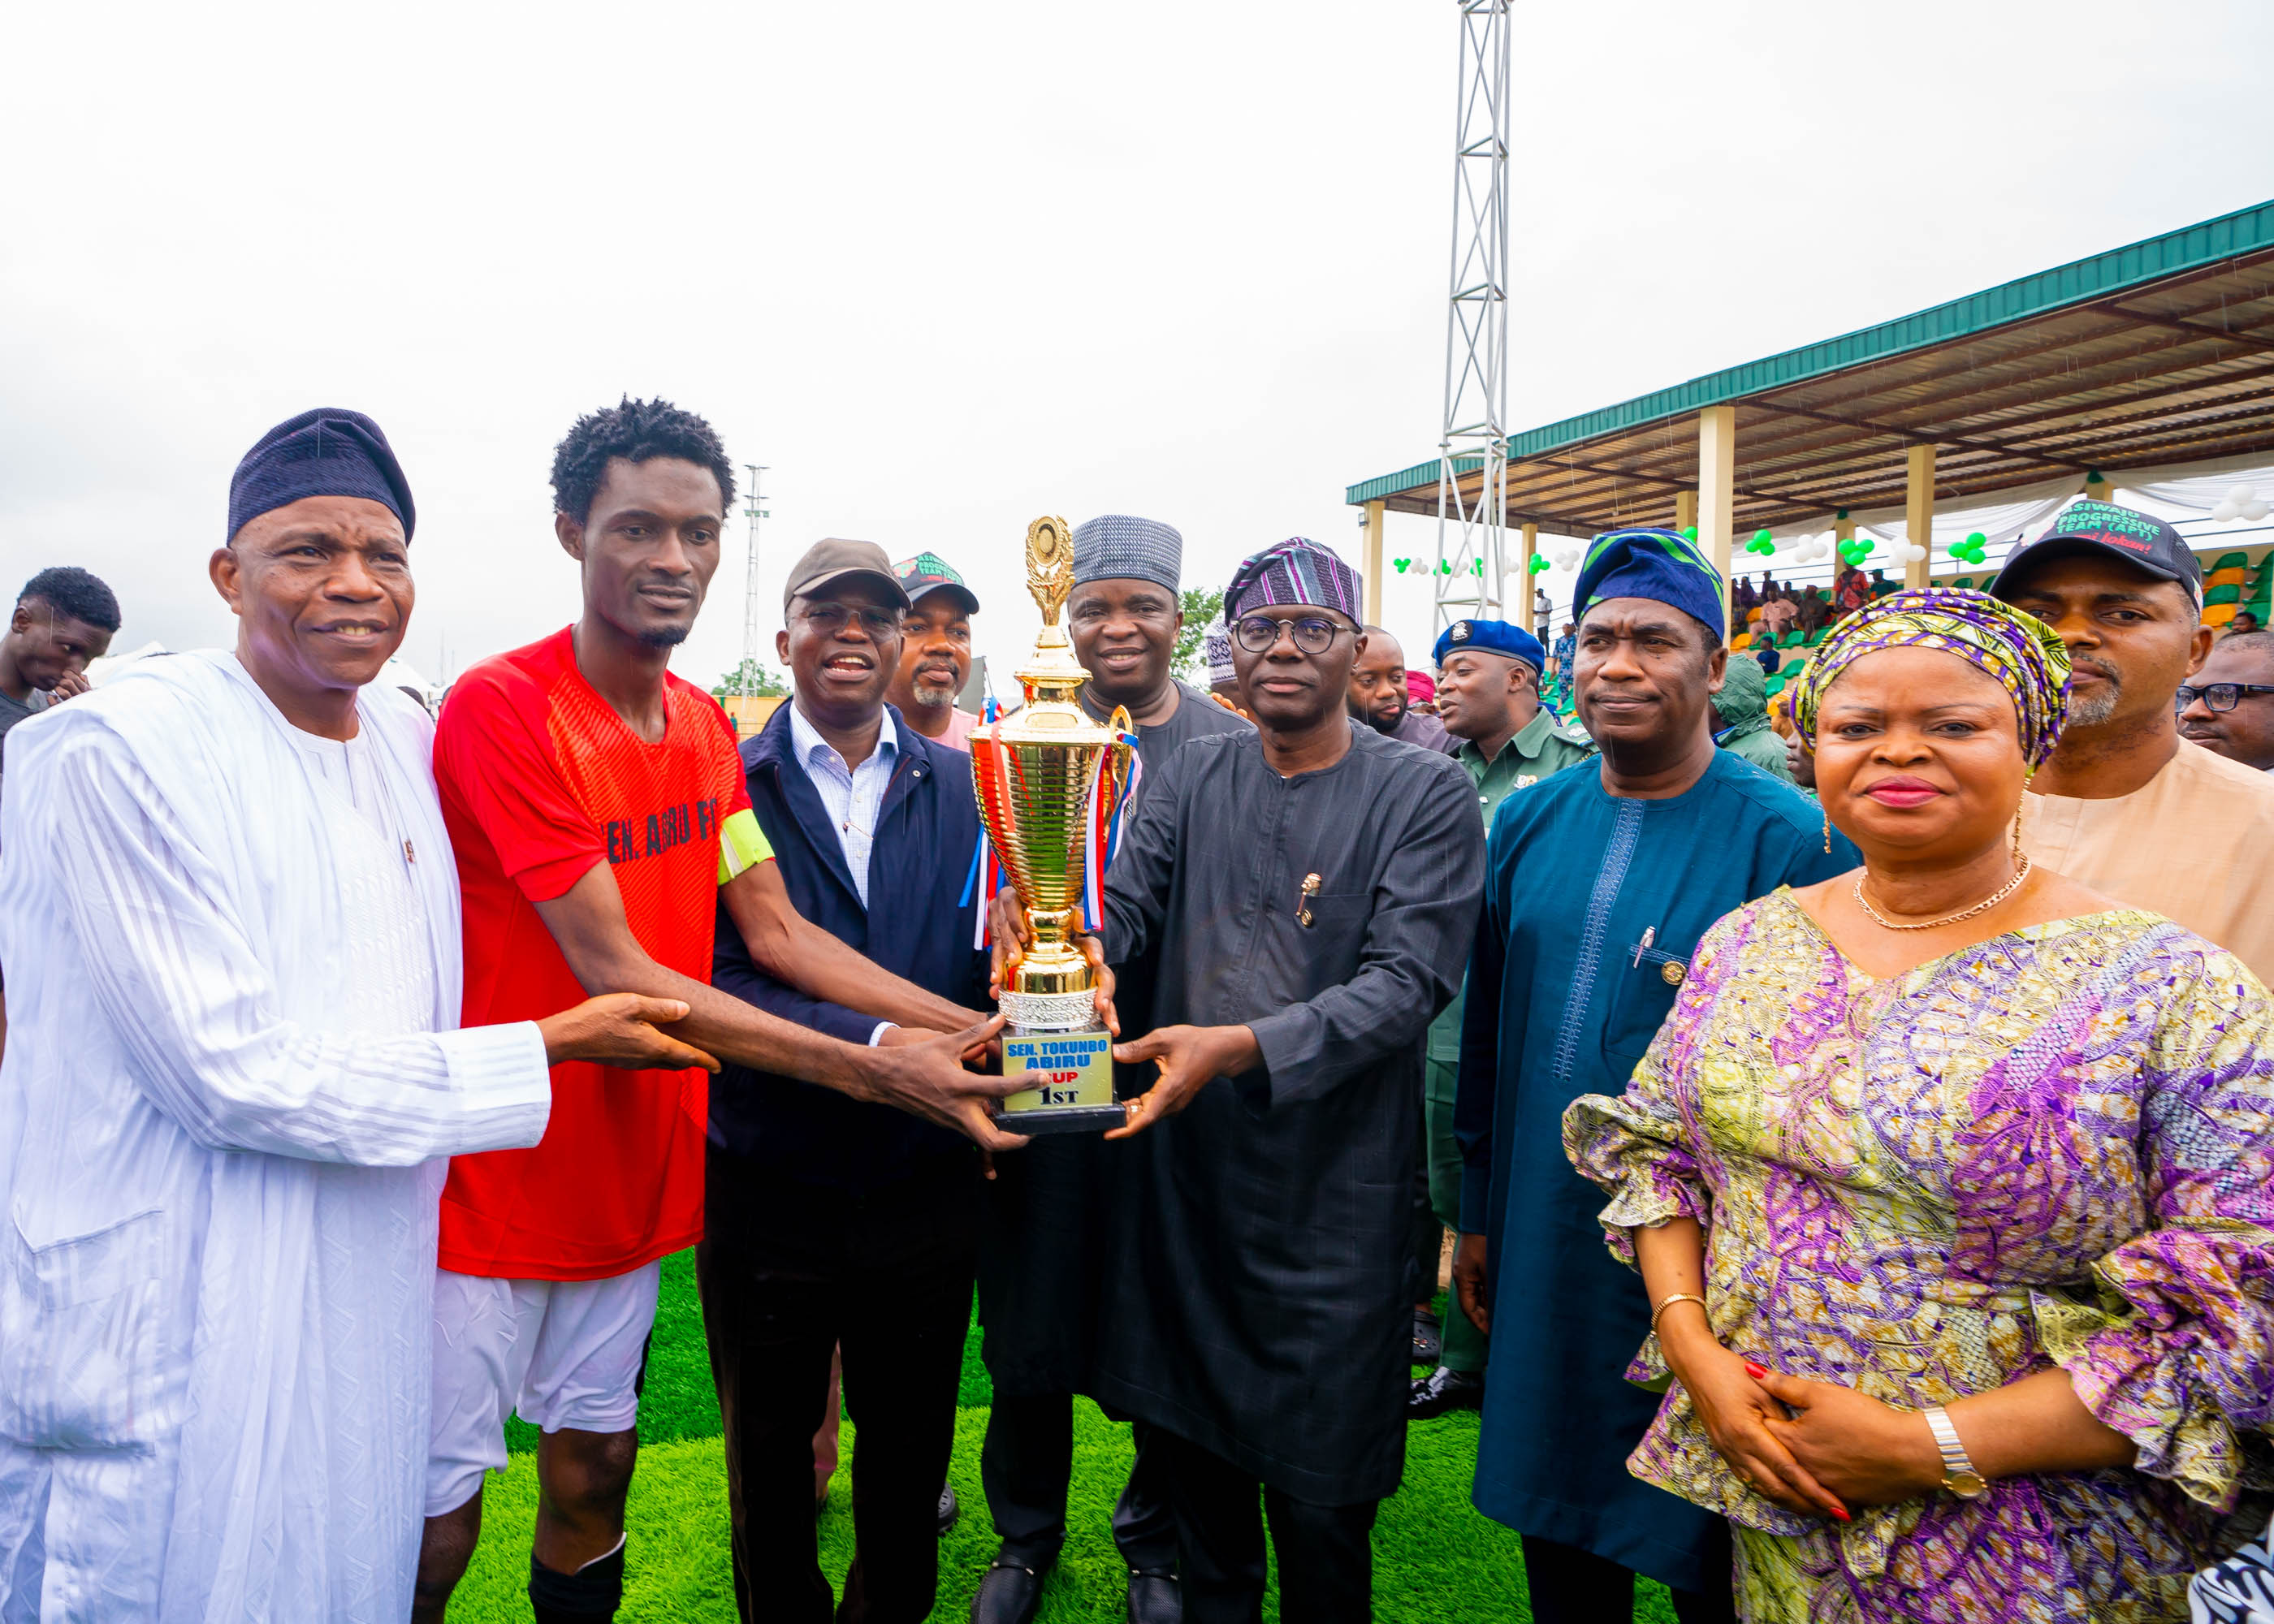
[1435,1559]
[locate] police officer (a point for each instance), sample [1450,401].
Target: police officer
[1489,698]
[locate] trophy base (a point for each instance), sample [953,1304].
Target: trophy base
[1056,1039]
[1064,1119]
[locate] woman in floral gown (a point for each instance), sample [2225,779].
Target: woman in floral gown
[1948,1181]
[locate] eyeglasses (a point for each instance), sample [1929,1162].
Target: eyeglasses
[2218,696]
[1312,634]
[830,619]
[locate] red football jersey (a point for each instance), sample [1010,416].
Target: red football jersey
[540,779]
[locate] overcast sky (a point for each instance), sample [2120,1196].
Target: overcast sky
[946,269]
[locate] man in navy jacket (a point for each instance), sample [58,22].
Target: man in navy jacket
[832,1220]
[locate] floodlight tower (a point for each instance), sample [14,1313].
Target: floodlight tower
[754,506]
[1471,532]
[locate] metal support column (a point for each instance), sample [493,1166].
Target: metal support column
[1370,561]
[1918,512]
[1717,495]
[754,616]
[1524,584]
[1471,528]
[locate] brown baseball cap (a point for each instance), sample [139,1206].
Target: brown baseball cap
[833,559]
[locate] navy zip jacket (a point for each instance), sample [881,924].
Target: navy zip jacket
[920,928]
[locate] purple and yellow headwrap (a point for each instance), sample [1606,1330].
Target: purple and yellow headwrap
[1297,571]
[2018,649]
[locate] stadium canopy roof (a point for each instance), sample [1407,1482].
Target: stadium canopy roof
[2153,354]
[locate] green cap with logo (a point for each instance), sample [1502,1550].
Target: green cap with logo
[928,572]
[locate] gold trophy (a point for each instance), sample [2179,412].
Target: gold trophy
[1049,782]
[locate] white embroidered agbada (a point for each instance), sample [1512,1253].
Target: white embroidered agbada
[232,960]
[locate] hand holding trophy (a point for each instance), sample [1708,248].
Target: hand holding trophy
[1051,783]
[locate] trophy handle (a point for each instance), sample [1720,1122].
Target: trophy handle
[1120,756]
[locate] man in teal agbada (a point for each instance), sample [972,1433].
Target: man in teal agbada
[1598,884]
[1488,698]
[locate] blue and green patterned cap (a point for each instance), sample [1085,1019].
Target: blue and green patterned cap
[1663,565]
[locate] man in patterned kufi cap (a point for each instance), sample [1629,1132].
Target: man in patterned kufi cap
[1305,892]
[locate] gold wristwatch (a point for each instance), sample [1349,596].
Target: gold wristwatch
[1958,1474]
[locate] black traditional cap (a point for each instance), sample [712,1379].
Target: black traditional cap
[327,452]
[2141,540]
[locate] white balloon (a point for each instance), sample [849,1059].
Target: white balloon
[2256,511]
[2242,495]
[2225,510]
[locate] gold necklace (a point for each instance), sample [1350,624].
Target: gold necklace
[1983,906]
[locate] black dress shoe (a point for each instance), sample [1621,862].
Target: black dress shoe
[1009,1594]
[1155,1596]
[1428,1340]
[948,1509]
[1442,1390]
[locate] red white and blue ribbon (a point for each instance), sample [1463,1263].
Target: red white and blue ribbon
[1100,830]
[986,876]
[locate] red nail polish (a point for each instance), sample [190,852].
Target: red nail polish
[1842,1515]
[1755,1370]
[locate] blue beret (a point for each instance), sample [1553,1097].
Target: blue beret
[327,452]
[1663,565]
[1494,637]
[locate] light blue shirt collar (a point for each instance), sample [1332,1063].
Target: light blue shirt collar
[804,738]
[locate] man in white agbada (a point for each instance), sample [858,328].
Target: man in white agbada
[229,915]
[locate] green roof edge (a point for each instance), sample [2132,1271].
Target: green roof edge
[2097,276]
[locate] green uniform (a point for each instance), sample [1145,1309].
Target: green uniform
[1543,746]
[1742,710]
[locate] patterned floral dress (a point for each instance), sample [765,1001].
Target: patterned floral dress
[2051,1148]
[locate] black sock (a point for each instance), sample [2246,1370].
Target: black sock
[593,1592]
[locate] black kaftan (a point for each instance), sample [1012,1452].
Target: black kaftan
[1259,1291]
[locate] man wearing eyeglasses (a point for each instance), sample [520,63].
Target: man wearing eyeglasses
[836,1222]
[601,826]
[2227,706]
[2129,805]
[1311,888]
